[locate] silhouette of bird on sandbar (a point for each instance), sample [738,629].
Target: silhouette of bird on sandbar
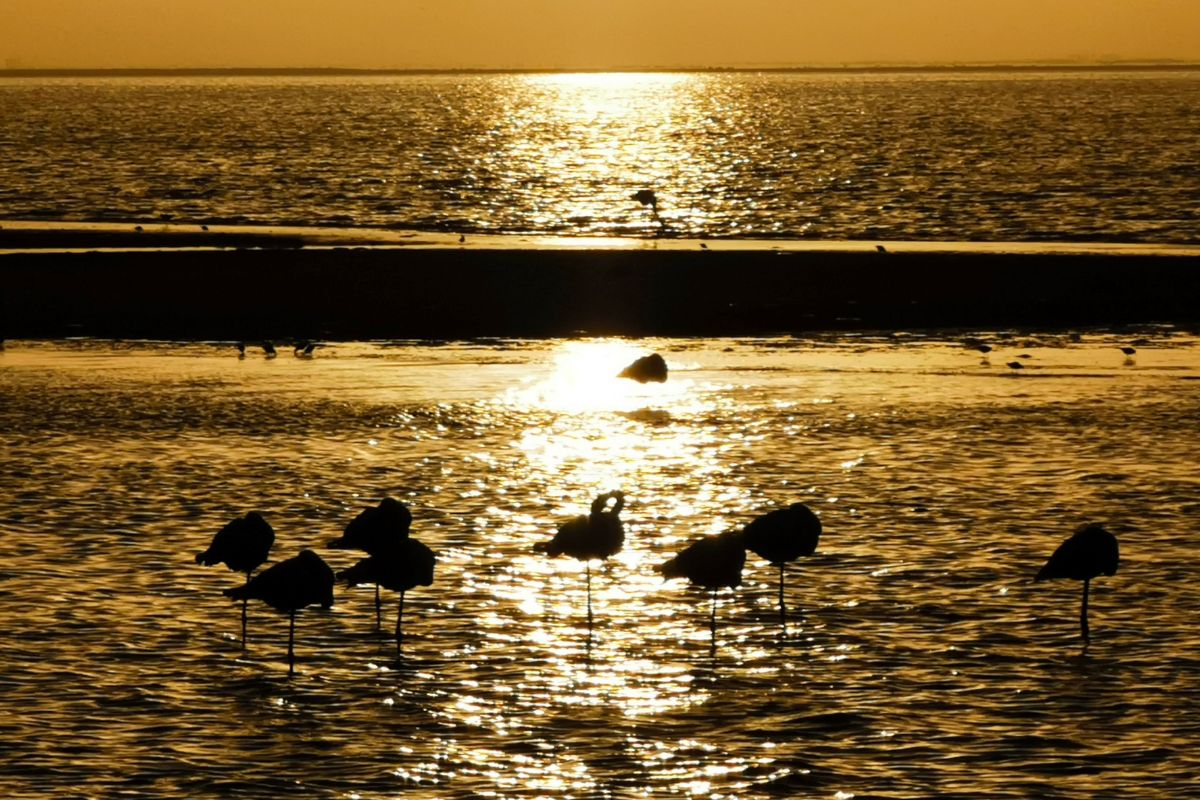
[783,535]
[714,562]
[242,545]
[647,197]
[598,535]
[373,531]
[1090,552]
[647,369]
[289,586]
[400,566]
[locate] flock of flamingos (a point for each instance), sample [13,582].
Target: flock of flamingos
[398,562]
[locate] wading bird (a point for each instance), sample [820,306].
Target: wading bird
[598,535]
[289,586]
[242,545]
[647,197]
[1090,552]
[712,563]
[781,536]
[400,566]
[373,531]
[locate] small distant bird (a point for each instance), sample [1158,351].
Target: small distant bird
[242,545]
[783,535]
[1129,351]
[203,227]
[712,563]
[268,349]
[290,586]
[598,535]
[400,567]
[1015,365]
[462,237]
[880,248]
[703,246]
[137,228]
[647,369]
[647,197]
[304,348]
[1024,355]
[376,530]
[1090,552]
[981,347]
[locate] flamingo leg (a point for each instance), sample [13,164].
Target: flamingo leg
[399,625]
[782,608]
[712,619]
[588,570]
[1083,623]
[244,601]
[378,610]
[291,643]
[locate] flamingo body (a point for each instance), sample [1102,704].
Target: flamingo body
[714,562]
[300,581]
[1090,552]
[785,534]
[242,544]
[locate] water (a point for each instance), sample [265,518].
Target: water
[919,661]
[991,157]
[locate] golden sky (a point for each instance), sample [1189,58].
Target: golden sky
[586,33]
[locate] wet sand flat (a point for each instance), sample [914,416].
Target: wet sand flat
[239,282]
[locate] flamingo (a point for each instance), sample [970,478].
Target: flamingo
[712,563]
[647,197]
[373,531]
[1090,552]
[401,566]
[242,545]
[647,369]
[289,586]
[598,535]
[784,535]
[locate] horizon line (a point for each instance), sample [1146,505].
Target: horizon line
[1056,65]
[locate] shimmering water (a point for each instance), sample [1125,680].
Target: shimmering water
[992,157]
[924,662]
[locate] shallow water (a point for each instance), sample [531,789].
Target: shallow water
[1108,156]
[919,658]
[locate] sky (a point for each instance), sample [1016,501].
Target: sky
[587,33]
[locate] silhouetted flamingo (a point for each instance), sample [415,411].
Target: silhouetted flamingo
[712,563]
[647,197]
[400,566]
[1090,552]
[781,536]
[242,545]
[647,369]
[289,586]
[600,534]
[373,531]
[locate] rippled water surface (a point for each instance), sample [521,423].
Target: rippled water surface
[919,659]
[989,157]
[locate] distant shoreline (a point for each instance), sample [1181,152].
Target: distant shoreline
[862,69]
